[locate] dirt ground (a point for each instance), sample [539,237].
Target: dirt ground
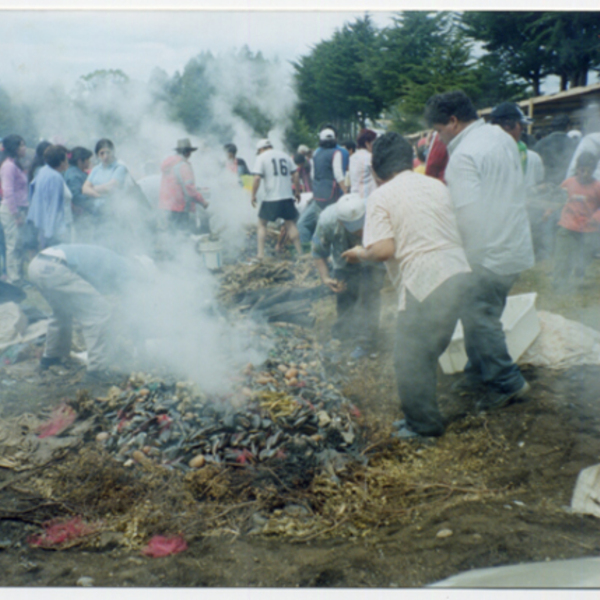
[494,490]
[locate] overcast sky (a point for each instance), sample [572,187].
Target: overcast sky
[60,45]
[47,45]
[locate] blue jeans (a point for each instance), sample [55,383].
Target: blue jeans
[485,343]
[308,222]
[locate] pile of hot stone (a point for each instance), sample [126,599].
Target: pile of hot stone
[286,413]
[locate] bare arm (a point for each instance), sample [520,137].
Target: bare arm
[333,284]
[89,190]
[255,186]
[378,252]
[296,183]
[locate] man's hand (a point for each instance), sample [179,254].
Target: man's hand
[253,201]
[354,255]
[334,285]
[20,219]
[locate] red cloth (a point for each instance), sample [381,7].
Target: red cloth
[177,185]
[437,159]
[582,211]
[161,545]
[62,416]
[57,533]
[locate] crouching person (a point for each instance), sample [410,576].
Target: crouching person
[357,286]
[75,280]
[411,226]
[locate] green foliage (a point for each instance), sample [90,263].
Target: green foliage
[299,132]
[103,77]
[189,94]
[332,81]
[572,40]
[16,118]
[405,52]
[448,68]
[510,36]
[253,116]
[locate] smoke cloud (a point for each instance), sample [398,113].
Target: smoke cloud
[175,319]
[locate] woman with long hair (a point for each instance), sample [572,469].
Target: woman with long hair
[13,208]
[38,160]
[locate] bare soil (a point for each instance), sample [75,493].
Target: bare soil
[494,490]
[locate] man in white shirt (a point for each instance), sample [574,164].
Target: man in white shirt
[410,224]
[485,180]
[275,170]
[509,116]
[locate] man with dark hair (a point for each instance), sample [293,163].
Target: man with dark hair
[47,210]
[235,164]
[411,225]
[485,180]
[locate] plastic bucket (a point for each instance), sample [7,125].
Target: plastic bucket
[210,252]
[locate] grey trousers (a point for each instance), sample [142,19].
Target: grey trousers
[72,297]
[14,254]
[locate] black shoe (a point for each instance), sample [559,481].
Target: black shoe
[46,362]
[466,386]
[405,433]
[497,401]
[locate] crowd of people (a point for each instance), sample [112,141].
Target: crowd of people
[73,230]
[454,221]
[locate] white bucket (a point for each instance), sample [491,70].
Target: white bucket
[210,252]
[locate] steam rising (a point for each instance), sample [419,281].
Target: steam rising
[177,314]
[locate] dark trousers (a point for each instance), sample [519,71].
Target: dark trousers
[485,343]
[359,305]
[423,332]
[181,221]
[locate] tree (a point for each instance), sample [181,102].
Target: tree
[189,94]
[332,82]
[16,118]
[573,41]
[299,132]
[510,36]
[403,49]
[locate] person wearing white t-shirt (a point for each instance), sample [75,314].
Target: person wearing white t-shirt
[275,170]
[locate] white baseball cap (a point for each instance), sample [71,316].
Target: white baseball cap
[326,134]
[264,143]
[351,209]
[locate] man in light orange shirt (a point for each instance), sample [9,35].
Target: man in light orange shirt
[410,224]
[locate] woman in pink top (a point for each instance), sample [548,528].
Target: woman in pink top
[13,208]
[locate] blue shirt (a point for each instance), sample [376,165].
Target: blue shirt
[47,208]
[106,270]
[101,174]
[75,178]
